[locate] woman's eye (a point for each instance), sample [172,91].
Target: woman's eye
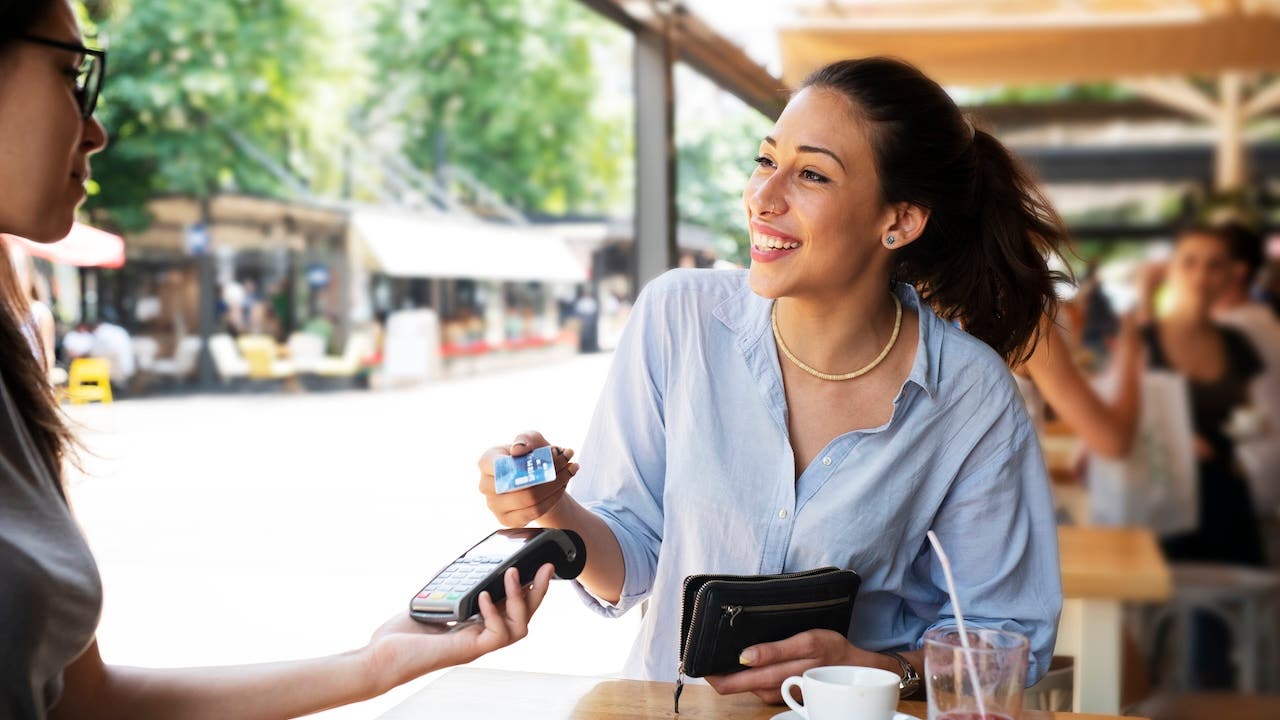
[812,176]
[764,162]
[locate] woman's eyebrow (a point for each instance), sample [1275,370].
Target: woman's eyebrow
[811,149]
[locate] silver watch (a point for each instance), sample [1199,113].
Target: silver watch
[910,679]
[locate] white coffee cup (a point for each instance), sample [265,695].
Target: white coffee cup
[842,692]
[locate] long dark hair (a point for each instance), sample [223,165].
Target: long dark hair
[983,257]
[23,375]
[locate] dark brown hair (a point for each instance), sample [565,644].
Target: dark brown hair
[22,373]
[982,259]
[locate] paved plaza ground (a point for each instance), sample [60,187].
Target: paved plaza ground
[254,527]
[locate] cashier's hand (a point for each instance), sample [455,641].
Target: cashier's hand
[404,648]
[771,663]
[521,507]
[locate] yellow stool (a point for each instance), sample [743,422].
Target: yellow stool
[89,379]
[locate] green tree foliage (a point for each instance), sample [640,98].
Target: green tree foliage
[182,77]
[717,139]
[504,89]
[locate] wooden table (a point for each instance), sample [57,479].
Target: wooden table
[1103,568]
[482,694]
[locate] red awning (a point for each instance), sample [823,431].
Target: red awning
[84,246]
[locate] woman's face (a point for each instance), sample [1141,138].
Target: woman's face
[44,143]
[813,203]
[1200,271]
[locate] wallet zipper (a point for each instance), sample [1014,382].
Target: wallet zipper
[733,611]
[697,603]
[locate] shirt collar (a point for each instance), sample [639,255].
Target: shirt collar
[746,314]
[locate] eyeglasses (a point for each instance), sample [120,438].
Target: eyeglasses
[93,66]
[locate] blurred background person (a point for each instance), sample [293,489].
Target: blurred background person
[1239,309]
[1220,365]
[113,342]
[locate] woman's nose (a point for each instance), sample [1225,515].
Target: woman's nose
[94,138]
[769,198]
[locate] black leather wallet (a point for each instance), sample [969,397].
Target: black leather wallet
[722,615]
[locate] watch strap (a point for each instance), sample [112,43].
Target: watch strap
[909,681]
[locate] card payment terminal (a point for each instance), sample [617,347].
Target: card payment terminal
[453,594]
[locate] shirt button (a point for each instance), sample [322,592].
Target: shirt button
[782,514]
[827,461]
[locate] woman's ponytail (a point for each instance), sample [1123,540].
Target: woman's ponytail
[998,284]
[982,259]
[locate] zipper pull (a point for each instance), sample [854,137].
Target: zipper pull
[679,687]
[732,611]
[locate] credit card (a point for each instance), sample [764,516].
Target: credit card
[518,473]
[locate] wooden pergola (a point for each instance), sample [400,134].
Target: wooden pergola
[1211,59]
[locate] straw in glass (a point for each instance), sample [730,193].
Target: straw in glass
[964,636]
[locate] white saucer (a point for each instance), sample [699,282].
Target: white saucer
[794,715]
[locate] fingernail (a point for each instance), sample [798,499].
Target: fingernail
[519,443]
[747,657]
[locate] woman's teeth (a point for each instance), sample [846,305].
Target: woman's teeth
[765,242]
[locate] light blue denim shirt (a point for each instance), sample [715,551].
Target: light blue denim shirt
[688,461]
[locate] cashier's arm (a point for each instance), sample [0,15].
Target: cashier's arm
[400,650]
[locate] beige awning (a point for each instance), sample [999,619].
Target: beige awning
[405,245]
[986,42]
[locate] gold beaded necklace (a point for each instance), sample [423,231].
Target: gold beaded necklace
[897,325]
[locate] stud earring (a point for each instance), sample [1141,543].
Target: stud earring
[890,241]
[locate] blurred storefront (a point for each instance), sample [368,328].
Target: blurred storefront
[494,286]
[268,252]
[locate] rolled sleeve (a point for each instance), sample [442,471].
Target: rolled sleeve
[639,559]
[997,527]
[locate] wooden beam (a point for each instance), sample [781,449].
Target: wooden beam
[702,48]
[1230,160]
[1012,49]
[1177,93]
[1265,99]
[1010,116]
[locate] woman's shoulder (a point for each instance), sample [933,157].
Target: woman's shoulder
[974,382]
[690,291]
[713,284]
[965,360]
[1241,351]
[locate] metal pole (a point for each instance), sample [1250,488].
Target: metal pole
[655,221]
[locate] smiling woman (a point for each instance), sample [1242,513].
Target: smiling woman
[823,408]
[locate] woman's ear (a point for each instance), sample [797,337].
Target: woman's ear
[907,223]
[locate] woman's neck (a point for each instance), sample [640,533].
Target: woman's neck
[838,335]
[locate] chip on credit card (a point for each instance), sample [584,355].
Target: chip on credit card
[518,473]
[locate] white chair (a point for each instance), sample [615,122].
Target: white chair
[1246,600]
[145,350]
[183,363]
[306,351]
[227,359]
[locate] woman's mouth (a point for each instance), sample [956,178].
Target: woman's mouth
[767,247]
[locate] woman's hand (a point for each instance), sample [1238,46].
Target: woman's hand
[771,663]
[404,648]
[521,507]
